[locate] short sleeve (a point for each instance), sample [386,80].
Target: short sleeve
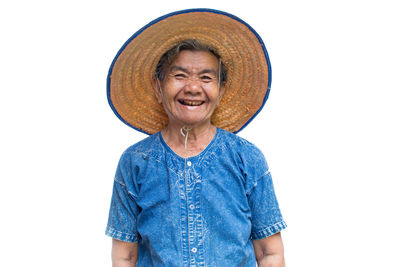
[265,213]
[123,209]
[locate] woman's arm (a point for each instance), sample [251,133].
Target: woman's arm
[269,251]
[124,254]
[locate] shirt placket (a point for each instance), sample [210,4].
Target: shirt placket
[192,223]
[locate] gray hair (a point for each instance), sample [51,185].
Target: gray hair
[192,45]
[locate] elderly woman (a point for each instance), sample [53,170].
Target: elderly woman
[193,193]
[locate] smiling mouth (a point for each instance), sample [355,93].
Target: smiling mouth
[191,102]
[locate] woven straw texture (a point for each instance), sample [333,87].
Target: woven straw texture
[131,92]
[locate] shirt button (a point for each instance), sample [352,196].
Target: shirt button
[189,163]
[191,206]
[194,250]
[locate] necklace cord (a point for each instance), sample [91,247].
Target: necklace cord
[186,134]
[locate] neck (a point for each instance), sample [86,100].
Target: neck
[196,138]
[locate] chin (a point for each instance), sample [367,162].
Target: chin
[194,121]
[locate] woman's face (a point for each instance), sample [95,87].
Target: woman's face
[190,90]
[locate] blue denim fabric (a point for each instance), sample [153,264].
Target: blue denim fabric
[199,211]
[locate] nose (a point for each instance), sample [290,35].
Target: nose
[193,87]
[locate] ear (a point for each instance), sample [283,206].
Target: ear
[221,92]
[157,89]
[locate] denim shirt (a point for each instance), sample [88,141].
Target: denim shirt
[199,211]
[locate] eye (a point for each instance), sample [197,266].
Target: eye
[180,76]
[206,78]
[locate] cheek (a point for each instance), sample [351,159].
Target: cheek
[163,97]
[215,96]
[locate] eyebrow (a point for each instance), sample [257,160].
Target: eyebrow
[178,68]
[175,68]
[211,71]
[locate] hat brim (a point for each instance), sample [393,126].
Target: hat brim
[129,82]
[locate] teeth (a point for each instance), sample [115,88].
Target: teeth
[191,103]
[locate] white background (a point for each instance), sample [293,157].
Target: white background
[330,129]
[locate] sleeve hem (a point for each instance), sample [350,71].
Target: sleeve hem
[111,232]
[271,230]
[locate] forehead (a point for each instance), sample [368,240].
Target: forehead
[195,60]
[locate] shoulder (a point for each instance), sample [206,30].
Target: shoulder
[246,156]
[144,148]
[136,156]
[248,153]
[235,142]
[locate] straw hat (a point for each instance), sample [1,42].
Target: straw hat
[129,83]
